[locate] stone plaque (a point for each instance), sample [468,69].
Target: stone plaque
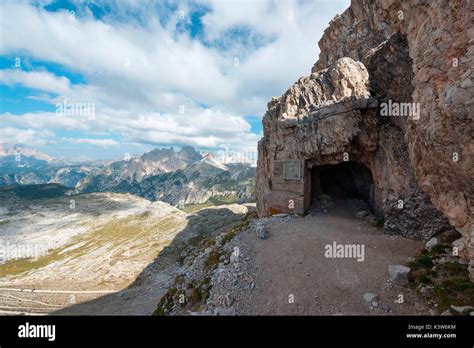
[292,170]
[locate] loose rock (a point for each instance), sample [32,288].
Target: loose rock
[399,274]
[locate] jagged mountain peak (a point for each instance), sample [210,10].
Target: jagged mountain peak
[212,161]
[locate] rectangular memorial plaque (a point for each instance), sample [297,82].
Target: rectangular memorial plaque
[292,170]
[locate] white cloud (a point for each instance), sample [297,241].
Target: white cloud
[30,137]
[206,128]
[41,80]
[140,71]
[44,120]
[95,142]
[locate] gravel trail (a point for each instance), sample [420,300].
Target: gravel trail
[293,276]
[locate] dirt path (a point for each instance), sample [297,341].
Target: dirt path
[291,265]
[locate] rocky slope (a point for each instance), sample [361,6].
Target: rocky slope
[200,182]
[404,52]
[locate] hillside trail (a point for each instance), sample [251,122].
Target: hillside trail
[293,276]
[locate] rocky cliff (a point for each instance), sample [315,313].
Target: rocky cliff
[380,53]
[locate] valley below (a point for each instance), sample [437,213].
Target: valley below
[61,251]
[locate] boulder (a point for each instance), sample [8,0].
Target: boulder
[371,299]
[432,243]
[463,310]
[399,274]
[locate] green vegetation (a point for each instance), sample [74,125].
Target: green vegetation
[166,303]
[195,294]
[199,292]
[212,260]
[422,261]
[449,280]
[438,249]
[19,266]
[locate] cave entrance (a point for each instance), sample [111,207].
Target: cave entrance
[342,181]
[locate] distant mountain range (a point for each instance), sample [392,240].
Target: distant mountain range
[177,177]
[14,150]
[206,180]
[21,165]
[118,175]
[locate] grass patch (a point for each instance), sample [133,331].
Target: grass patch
[196,294]
[424,278]
[199,292]
[166,303]
[453,268]
[18,266]
[449,281]
[423,261]
[438,250]
[212,260]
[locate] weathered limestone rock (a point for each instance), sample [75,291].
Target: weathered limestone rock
[440,38]
[403,52]
[432,243]
[320,117]
[399,274]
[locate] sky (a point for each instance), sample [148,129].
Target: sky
[99,79]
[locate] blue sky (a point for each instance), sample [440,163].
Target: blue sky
[137,74]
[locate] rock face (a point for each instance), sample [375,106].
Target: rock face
[373,56]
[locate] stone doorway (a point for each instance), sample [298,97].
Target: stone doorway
[342,181]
